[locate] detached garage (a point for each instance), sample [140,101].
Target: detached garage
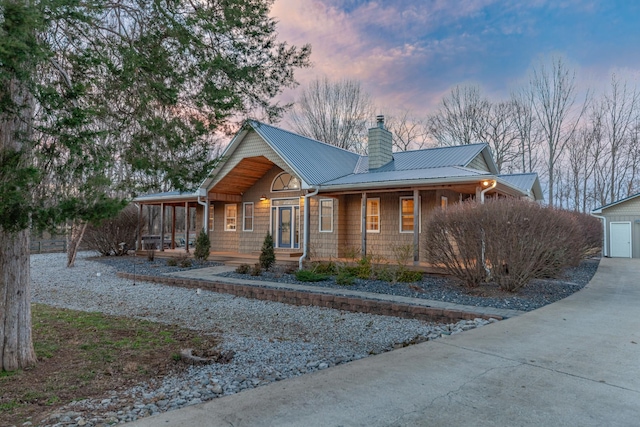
[621,221]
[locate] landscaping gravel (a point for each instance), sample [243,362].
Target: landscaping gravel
[271,341]
[536,294]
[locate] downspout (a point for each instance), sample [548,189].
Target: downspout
[491,187]
[484,261]
[307,216]
[205,214]
[604,234]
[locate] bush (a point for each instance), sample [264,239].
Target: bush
[325,267]
[310,276]
[203,246]
[151,255]
[345,279]
[267,254]
[107,236]
[172,262]
[243,269]
[185,262]
[408,276]
[519,241]
[256,270]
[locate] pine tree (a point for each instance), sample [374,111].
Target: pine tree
[203,246]
[267,255]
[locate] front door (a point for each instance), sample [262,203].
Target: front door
[284,227]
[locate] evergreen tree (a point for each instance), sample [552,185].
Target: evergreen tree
[203,246]
[101,96]
[267,254]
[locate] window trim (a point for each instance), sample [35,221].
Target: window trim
[244,216]
[226,217]
[320,216]
[378,215]
[414,221]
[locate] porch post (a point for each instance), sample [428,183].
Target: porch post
[186,227]
[161,226]
[139,245]
[364,224]
[416,226]
[173,227]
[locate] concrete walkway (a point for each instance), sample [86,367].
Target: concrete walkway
[210,273]
[572,363]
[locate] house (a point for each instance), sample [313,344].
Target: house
[320,200]
[621,222]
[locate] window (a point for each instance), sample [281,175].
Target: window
[444,202]
[210,218]
[326,215]
[373,215]
[285,182]
[247,217]
[230,214]
[406,214]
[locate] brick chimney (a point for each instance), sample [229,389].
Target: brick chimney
[380,145]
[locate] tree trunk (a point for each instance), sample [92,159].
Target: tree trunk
[74,239]
[16,348]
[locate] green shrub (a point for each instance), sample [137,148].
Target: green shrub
[345,279]
[267,254]
[243,269]
[172,262]
[203,246]
[256,270]
[310,276]
[408,276]
[185,262]
[325,267]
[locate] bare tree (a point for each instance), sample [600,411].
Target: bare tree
[458,120]
[619,114]
[409,132]
[524,121]
[499,129]
[334,112]
[553,93]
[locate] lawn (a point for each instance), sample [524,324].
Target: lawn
[86,355]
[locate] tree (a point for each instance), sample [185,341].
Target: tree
[334,112]
[203,246]
[459,118]
[499,129]
[409,132]
[553,93]
[267,253]
[84,85]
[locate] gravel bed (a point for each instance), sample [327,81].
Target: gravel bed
[536,294]
[141,265]
[271,341]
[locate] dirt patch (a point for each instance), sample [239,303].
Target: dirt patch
[87,355]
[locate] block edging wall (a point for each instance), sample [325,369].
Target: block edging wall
[302,298]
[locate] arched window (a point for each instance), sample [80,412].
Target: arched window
[285,182]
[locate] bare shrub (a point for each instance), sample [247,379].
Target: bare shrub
[591,230]
[107,236]
[518,240]
[453,240]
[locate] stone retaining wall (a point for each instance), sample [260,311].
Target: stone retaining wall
[348,303]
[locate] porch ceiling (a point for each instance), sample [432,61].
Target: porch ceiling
[243,176]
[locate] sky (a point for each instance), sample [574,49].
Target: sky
[408,54]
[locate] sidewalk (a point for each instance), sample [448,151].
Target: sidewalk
[574,363]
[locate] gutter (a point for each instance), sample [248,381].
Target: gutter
[307,216]
[604,234]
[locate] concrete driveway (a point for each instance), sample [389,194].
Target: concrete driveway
[572,363]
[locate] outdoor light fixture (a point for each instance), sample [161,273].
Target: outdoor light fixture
[263,198]
[486,183]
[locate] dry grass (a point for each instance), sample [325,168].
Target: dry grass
[86,355]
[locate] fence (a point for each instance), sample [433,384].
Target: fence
[45,246]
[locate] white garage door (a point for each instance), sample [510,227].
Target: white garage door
[621,239]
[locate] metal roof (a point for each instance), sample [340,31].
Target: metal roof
[528,182]
[459,155]
[405,175]
[168,195]
[599,210]
[314,161]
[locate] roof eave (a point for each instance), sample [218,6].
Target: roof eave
[407,183]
